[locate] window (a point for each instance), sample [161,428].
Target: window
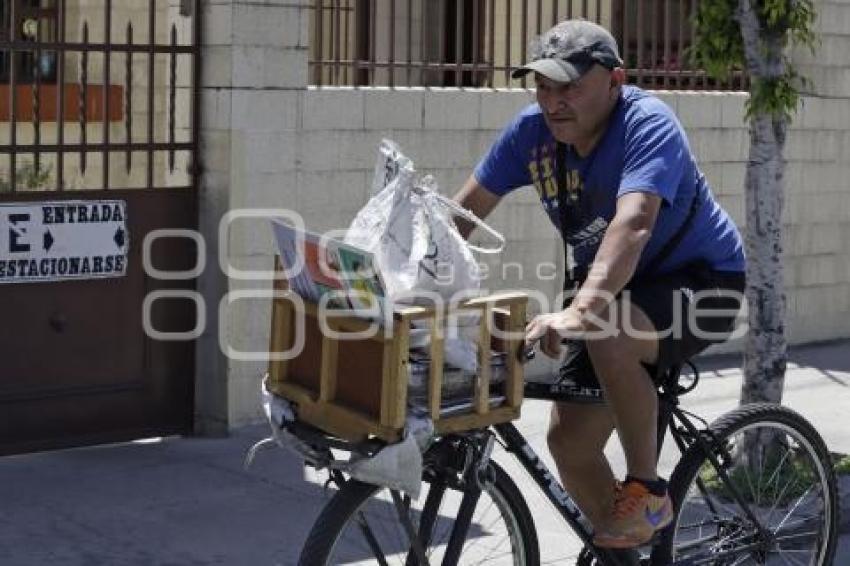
[35,22]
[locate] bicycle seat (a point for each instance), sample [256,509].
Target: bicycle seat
[556,388]
[565,388]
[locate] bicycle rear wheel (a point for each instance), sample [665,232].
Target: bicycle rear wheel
[360,525]
[788,512]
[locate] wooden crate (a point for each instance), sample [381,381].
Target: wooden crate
[357,388]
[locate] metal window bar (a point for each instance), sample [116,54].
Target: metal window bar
[373,29]
[60,98]
[107,76]
[476,40]
[151,91]
[458,43]
[128,100]
[654,36]
[82,105]
[409,40]
[49,69]
[524,39]
[338,39]
[392,44]
[491,54]
[36,101]
[508,35]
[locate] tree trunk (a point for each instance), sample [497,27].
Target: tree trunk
[766,352]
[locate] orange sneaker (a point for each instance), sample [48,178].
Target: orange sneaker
[636,517]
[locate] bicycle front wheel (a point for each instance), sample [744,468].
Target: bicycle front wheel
[361,525]
[772,500]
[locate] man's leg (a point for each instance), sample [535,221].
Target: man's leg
[577,437]
[629,389]
[642,506]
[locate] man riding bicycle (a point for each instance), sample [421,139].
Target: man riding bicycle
[655,267]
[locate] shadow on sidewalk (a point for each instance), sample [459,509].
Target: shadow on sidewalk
[176,501]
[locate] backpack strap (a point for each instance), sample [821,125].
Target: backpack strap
[574,277]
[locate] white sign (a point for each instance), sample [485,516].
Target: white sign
[53,241]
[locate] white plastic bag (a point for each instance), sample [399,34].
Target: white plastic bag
[409,227]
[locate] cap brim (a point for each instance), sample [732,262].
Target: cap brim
[555,69]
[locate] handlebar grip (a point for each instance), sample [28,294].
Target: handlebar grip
[527,352]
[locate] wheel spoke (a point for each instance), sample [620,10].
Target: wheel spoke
[371,540]
[777,463]
[383,527]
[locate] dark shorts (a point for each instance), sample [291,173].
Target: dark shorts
[703,315]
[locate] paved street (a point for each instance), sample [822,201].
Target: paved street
[187,501]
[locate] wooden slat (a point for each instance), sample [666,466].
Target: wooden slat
[398,389]
[328,373]
[482,384]
[496,299]
[343,323]
[293,392]
[472,420]
[412,312]
[516,380]
[281,330]
[345,423]
[388,382]
[281,337]
[435,377]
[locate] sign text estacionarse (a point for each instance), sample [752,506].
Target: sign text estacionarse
[61,240]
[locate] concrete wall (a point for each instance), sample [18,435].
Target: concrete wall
[254,75]
[270,142]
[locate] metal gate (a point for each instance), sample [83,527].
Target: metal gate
[98,151]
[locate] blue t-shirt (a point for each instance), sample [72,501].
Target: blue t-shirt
[643,149]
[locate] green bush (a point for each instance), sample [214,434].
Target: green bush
[28,177]
[786,481]
[842,464]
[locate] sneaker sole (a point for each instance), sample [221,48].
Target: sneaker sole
[623,544]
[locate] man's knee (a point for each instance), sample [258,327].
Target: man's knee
[633,341]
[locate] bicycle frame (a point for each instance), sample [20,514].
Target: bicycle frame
[684,432]
[515,443]
[670,417]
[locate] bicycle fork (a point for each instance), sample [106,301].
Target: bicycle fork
[475,477]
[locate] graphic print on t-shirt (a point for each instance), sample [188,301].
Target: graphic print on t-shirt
[585,228]
[542,168]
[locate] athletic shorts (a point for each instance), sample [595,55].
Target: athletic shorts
[703,315]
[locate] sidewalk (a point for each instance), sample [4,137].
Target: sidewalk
[188,502]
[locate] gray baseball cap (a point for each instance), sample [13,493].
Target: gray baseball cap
[569,50]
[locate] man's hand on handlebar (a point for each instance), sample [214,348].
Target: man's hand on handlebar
[550,330]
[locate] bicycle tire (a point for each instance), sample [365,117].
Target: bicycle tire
[686,475]
[340,512]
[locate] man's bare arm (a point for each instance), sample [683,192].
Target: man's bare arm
[618,255]
[475,198]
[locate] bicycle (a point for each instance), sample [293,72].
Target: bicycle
[754,487]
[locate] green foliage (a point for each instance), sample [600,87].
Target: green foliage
[719,48]
[785,480]
[775,96]
[842,466]
[29,177]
